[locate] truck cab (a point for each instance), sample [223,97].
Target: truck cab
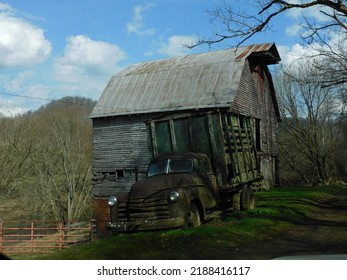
[178,191]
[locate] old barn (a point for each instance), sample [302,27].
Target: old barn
[237,80]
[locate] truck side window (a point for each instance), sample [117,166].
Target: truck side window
[205,166]
[181,165]
[157,167]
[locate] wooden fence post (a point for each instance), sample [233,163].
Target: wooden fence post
[32,236]
[1,248]
[61,233]
[90,226]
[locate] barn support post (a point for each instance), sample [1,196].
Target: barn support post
[214,146]
[173,136]
[91,229]
[154,141]
[1,234]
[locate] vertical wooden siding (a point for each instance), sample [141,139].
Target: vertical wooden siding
[254,99]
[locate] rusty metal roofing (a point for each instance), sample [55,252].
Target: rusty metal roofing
[206,80]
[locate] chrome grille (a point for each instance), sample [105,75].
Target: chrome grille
[141,209]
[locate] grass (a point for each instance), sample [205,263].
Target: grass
[277,211]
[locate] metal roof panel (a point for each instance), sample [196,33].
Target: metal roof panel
[206,80]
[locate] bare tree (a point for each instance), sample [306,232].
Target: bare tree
[341,154]
[16,147]
[63,164]
[312,117]
[332,61]
[258,15]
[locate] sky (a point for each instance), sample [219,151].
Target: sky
[50,49]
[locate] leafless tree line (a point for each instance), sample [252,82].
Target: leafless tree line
[311,130]
[45,161]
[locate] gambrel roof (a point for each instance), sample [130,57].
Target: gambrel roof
[206,80]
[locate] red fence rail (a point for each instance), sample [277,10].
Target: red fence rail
[42,236]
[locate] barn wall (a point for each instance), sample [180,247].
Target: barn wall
[268,170]
[254,99]
[120,152]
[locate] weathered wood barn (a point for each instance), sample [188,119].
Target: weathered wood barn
[237,80]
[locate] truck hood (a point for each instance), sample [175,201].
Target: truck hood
[153,185]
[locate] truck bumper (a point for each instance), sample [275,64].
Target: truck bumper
[146,225]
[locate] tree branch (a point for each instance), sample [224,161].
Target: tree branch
[244,25]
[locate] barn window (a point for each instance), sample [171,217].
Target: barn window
[164,145]
[120,173]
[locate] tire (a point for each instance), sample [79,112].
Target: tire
[192,218]
[247,200]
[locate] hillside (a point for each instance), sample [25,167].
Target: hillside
[45,161]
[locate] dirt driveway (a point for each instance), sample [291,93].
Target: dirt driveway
[323,232]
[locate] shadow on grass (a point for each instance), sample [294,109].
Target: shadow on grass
[262,233]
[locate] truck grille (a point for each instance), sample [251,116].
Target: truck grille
[143,209]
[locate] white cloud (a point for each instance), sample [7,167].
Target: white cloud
[305,18]
[176,45]
[82,70]
[85,58]
[293,30]
[16,83]
[10,109]
[314,12]
[21,43]
[297,54]
[136,24]
[6,8]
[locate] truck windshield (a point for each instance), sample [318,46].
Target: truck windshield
[170,166]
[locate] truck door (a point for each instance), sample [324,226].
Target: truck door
[208,175]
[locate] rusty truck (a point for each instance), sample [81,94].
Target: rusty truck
[201,163]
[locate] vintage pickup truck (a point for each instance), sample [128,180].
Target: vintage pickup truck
[201,163]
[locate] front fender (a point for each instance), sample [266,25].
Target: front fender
[197,194]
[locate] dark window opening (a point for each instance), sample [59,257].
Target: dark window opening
[242,122]
[120,173]
[106,173]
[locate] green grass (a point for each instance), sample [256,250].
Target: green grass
[276,211]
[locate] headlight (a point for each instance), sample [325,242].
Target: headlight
[173,197]
[112,201]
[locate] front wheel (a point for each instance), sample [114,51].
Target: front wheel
[192,218]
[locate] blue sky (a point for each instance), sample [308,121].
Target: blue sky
[50,49]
